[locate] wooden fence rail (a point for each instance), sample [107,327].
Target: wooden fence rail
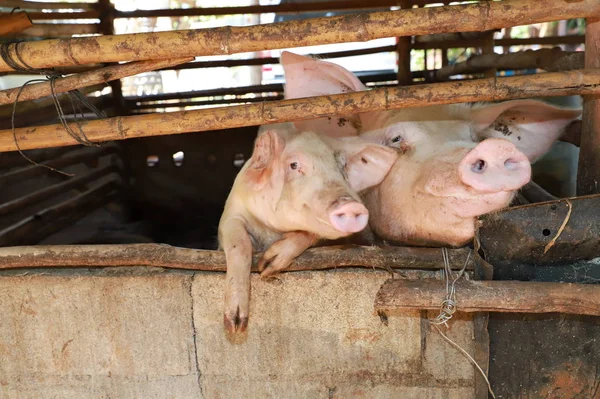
[491,89]
[340,29]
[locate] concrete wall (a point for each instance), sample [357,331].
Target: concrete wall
[106,334]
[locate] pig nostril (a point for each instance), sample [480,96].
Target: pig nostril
[511,164]
[478,166]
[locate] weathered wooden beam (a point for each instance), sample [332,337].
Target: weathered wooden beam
[36,5]
[399,295]
[507,42]
[36,227]
[161,255]
[588,175]
[86,79]
[53,31]
[492,89]
[206,102]
[318,31]
[48,192]
[14,23]
[551,60]
[78,156]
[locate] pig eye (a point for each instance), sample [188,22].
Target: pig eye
[396,139]
[294,165]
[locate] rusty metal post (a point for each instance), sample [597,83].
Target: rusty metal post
[588,176]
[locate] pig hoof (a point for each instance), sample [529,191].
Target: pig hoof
[235,323]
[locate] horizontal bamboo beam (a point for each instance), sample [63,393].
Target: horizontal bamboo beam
[491,89]
[551,40]
[166,256]
[36,227]
[78,156]
[490,296]
[340,29]
[14,23]
[86,79]
[48,192]
[551,60]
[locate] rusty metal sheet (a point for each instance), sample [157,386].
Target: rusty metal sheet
[521,234]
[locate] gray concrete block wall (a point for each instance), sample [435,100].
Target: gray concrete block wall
[160,335]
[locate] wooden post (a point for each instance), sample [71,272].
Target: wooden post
[403,47]
[488,48]
[493,89]
[399,295]
[588,176]
[339,29]
[14,23]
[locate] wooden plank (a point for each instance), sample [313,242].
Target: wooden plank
[14,23]
[588,175]
[490,296]
[493,89]
[86,79]
[310,32]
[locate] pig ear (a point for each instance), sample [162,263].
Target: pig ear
[368,164]
[267,147]
[532,126]
[308,77]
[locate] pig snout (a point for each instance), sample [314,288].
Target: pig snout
[348,216]
[495,165]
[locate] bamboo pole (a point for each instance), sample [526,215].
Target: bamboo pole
[14,23]
[492,89]
[73,82]
[553,41]
[551,60]
[339,29]
[166,256]
[588,176]
[490,296]
[53,31]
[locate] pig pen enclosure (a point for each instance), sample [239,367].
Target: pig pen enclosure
[111,284]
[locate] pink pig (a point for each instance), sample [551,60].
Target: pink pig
[297,188]
[459,161]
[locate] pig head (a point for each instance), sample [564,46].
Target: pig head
[457,161]
[297,188]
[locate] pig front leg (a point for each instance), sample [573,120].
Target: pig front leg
[236,243]
[283,252]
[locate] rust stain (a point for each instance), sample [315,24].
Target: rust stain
[567,383]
